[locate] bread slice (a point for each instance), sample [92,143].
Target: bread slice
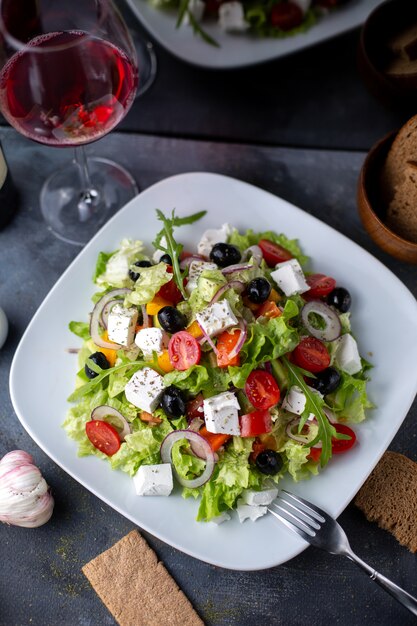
[403,151]
[402,210]
[389,497]
[136,587]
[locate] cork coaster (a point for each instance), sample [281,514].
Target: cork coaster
[136,588]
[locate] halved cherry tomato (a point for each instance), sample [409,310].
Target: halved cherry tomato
[226,341]
[269,309]
[286,15]
[320,285]
[184,350]
[257,447]
[170,291]
[272,252]
[195,408]
[255,423]
[338,445]
[216,440]
[103,436]
[262,389]
[311,354]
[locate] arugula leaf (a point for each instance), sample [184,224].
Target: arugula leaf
[173,248]
[101,375]
[199,31]
[314,405]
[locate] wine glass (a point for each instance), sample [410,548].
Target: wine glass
[69,76]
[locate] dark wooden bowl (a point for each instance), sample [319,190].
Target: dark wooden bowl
[372,209]
[387,19]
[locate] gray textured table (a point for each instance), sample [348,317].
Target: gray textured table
[41,583]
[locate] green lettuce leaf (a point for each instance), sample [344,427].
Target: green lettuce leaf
[116,272]
[102,259]
[350,400]
[250,238]
[81,329]
[149,283]
[199,378]
[209,282]
[298,466]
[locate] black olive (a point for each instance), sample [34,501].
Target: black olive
[173,402]
[224,254]
[258,290]
[326,381]
[171,319]
[269,462]
[165,258]
[99,359]
[135,275]
[340,298]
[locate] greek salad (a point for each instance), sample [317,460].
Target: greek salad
[263,18]
[219,369]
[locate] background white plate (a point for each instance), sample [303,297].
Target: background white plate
[384,320]
[239,50]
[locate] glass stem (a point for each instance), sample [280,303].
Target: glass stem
[89,196]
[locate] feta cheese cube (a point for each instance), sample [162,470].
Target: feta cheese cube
[304,5]
[221,414]
[195,269]
[151,340]
[144,389]
[156,257]
[121,324]
[294,401]
[347,356]
[264,497]
[216,318]
[219,519]
[212,236]
[232,16]
[290,277]
[154,480]
[196,8]
[245,511]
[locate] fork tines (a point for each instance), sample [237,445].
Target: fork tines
[297,514]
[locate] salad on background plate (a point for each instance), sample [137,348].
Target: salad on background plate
[221,369]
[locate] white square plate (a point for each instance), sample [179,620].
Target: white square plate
[384,319]
[240,50]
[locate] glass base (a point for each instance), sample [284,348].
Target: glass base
[74,216]
[147,63]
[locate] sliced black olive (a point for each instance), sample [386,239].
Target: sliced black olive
[269,462]
[165,258]
[224,254]
[171,319]
[258,290]
[340,298]
[135,275]
[99,359]
[173,402]
[326,381]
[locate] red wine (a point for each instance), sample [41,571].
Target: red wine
[73,90]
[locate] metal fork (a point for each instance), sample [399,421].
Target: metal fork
[322,531]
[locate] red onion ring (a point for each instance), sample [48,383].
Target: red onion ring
[330,415]
[237,285]
[333,326]
[191,436]
[239,267]
[103,411]
[96,317]
[209,340]
[187,262]
[106,312]
[243,334]
[255,252]
[145,316]
[299,438]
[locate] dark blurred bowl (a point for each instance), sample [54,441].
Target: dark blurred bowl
[372,209]
[388,19]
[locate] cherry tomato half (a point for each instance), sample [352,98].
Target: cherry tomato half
[272,252]
[320,285]
[226,341]
[170,291]
[255,423]
[103,436]
[184,350]
[262,389]
[268,309]
[338,445]
[311,354]
[286,16]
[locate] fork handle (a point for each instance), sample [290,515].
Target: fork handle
[403,597]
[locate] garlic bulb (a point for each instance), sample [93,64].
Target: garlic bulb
[25,499]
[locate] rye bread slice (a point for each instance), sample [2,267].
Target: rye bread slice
[403,150]
[388,497]
[136,588]
[402,210]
